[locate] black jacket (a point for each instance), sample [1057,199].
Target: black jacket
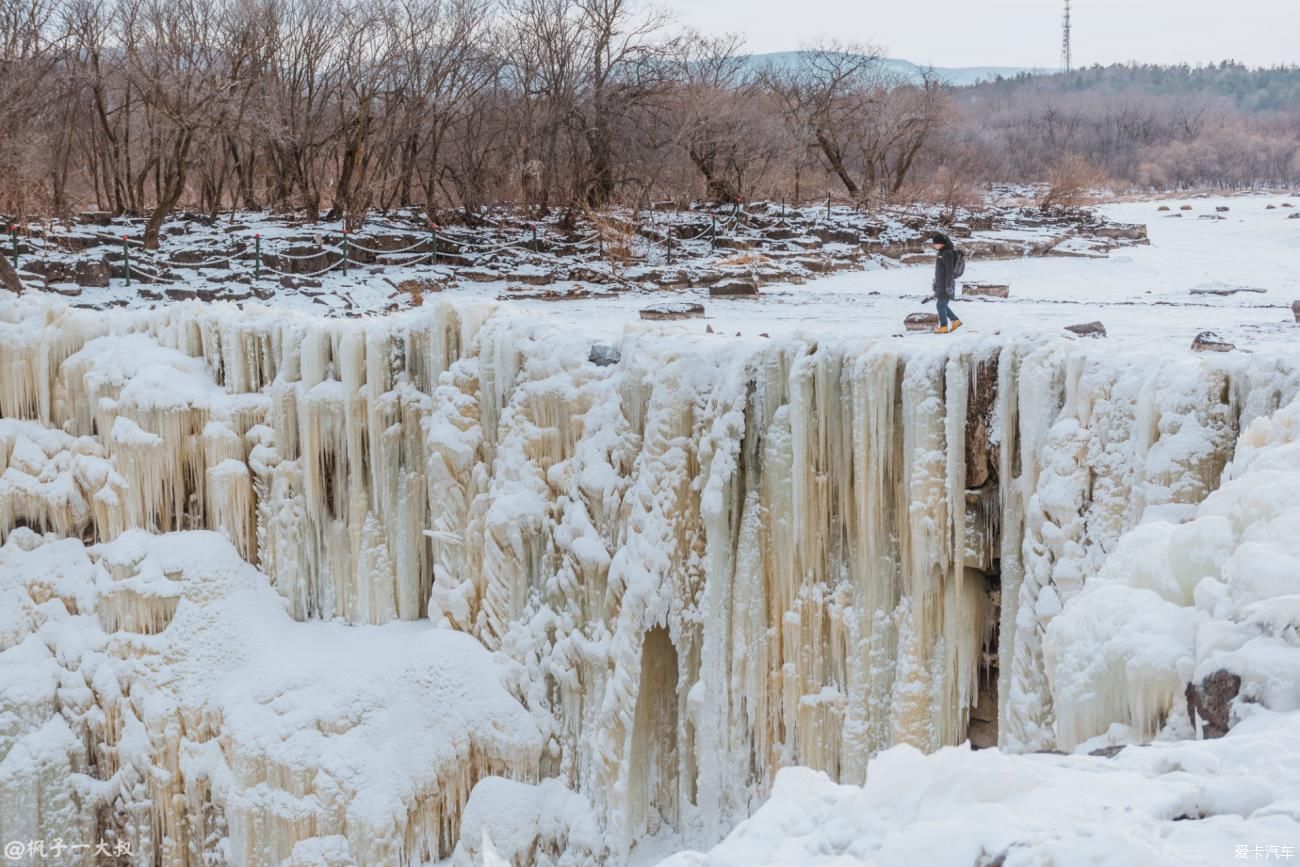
[945,284]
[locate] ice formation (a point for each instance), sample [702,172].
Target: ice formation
[1172,606]
[711,560]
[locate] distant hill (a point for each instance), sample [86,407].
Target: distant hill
[959,76]
[1250,89]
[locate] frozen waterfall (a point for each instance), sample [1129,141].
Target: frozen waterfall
[716,558]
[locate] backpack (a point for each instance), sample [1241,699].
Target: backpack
[959,264]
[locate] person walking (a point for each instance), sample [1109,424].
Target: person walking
[946,272]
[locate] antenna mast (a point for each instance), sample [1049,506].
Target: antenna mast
[1065,38]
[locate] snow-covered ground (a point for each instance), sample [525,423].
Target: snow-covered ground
[1139,293]
[652,585]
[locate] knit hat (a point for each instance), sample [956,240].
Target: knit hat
[939,238]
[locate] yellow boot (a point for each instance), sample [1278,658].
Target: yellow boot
[956,323]
[942,329]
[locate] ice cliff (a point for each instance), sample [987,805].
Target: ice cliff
[638,589]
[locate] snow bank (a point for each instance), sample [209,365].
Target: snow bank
[1176,604]
[240,732]
[1196,802]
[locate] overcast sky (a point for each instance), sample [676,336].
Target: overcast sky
[1016,32]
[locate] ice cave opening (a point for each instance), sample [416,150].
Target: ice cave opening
[282,589]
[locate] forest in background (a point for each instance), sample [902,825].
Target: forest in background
[330,108]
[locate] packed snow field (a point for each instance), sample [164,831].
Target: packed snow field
[471,583]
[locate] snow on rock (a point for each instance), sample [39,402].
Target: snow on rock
[1177,604]
[242,735]
[545,824]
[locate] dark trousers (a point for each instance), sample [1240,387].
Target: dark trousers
[945,312]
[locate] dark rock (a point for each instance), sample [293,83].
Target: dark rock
[1210,702]
[1208,341]
[532,278]
[986,290]
[921,321]
[1168,216]
[668,278]
[95,218]
[815,265]
[1185,208]
[1295,216]
[1122,231]
[299,283]
[837,236]
[478,275]
[1088,329]
[1222,209]
[92,273]
[1163,208]
[588,274]
[1270,207]
[49,271]
[1108,752]
[733,288]
[673,310]
[603,355]
[1225,290]
[981,455]
[1295,308]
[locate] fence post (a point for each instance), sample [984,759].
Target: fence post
[13,236]
[257,256]
[345,252]
[828,207]
[713,235]
[670,245]
[783,209]
[535,250]
[126,255]
[433,242]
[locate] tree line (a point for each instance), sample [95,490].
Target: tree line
[333,107]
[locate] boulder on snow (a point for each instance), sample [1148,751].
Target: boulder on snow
[1163,208]
[986,290]
[673,310]
[1208,341]
[1209,703]
[1295,216]
[1295,308]
[921,321]
[603,355]
[92,273]
[1222,209]
[733,288]
[290,282]
[1088,329]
